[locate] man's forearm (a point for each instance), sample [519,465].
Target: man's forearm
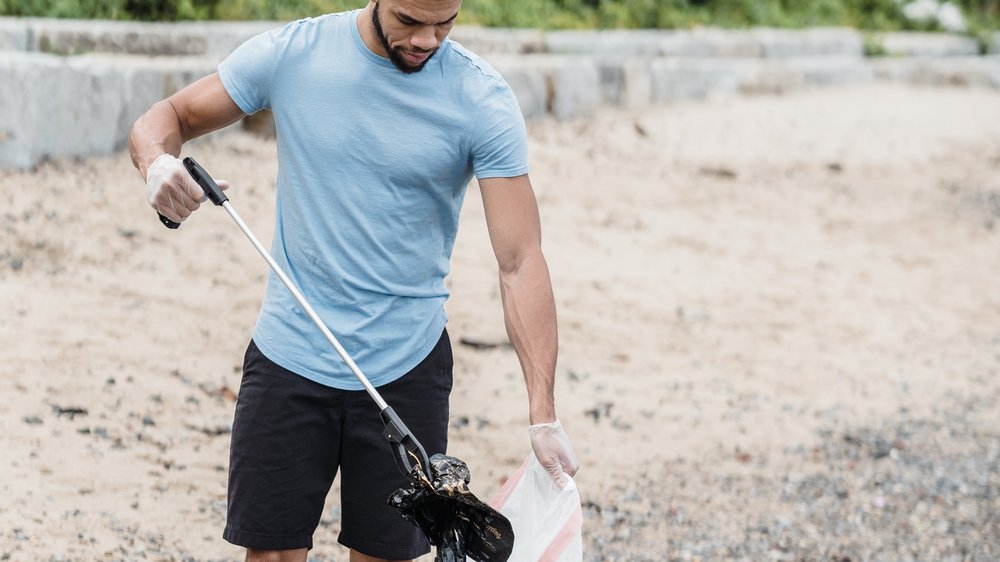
[195,110]
[530,318]
[156,132]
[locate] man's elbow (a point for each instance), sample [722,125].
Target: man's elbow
[510,263]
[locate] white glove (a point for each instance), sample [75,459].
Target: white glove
[171,190]
[554,451]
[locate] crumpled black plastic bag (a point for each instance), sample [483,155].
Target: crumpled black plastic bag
[454,520]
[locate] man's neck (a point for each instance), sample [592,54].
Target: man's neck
[367,30]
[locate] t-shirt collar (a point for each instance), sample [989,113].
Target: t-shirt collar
[360,43]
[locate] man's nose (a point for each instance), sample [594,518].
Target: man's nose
[425,38]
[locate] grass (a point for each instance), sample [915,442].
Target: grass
[879,15]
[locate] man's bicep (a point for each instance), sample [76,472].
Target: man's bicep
[204,106]
[511,218]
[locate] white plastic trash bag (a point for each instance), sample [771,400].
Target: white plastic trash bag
[547,520]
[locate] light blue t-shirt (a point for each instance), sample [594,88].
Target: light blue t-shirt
[373,166]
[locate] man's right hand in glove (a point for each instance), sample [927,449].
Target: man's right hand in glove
[171,190]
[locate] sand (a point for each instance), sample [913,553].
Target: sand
[779,329]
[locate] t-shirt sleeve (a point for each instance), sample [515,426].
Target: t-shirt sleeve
[246,73]
[499,143]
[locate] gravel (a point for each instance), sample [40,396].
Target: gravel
[905,490]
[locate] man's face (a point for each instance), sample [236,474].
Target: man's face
[411,31]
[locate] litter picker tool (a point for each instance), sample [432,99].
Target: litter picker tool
[438,500]
[410,454]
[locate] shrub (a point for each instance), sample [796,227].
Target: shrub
[983,15]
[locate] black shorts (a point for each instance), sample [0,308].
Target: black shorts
[291,435]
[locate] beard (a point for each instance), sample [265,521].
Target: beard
[395,53]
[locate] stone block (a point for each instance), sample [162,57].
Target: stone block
[147,80]
[78,106]
[725,43]
[605,43]
[695,78]
[771,77]
[73,37]
[994,44]
[14,34]
[222,38]
[683,43]
[637,84]
[486,41]
[611,74]
[54,109]
[21,120]
[783,43]
[572,83]
[981,72]
[98,102]
[611,44]
[625,82]
[897,69]
[708,42]
[916,44]
[829,71]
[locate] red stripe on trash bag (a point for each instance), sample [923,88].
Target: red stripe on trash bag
[570,530]
[501,497]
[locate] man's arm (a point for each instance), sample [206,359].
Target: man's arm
[197,109]
[529,310]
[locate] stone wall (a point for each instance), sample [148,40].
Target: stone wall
[72,37]
[52,106]
[73,88]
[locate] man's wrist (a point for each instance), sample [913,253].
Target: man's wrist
[554,424]
[147,164]
[545,416]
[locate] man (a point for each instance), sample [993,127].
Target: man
[381,123]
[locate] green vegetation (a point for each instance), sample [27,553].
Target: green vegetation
[873,47]
[865,14]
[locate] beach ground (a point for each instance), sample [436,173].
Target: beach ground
[779,329]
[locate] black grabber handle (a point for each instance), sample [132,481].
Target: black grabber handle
[168,223]
[408,449]
[208,185]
